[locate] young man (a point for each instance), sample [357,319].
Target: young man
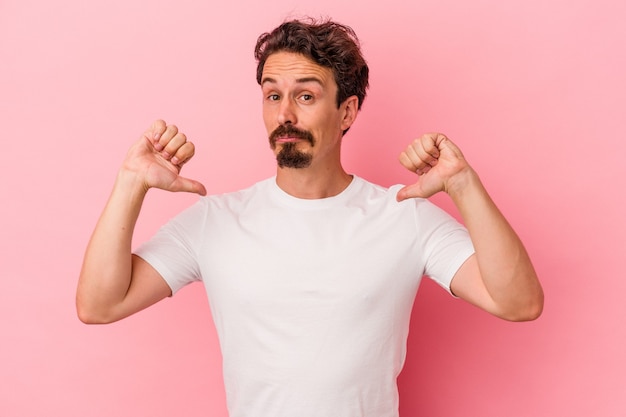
[311,274]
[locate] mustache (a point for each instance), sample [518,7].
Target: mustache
[290,131]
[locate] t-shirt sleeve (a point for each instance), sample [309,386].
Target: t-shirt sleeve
[172,251]
[447,244]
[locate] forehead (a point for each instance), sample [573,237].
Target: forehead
[289,66]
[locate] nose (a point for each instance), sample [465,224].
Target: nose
[286,112]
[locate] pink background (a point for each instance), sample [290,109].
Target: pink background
[532,91]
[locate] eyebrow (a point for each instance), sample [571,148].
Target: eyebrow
[299,80]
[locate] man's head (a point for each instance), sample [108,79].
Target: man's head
[314,80]
[326,43]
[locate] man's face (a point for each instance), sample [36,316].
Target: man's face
[300,110]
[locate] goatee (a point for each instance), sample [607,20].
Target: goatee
[289,155]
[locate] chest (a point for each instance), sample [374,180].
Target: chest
[337,256]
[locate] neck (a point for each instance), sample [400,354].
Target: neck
[309,184]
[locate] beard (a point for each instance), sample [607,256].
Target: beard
[289,156]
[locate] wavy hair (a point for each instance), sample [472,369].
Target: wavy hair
[327,43]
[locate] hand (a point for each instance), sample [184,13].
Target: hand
[437,161]
[158,156]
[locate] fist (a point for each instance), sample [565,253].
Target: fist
[169,143]
[158,156]
[437,162]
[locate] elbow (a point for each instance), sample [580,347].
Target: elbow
[89,315]
[536,309]
[87,318]
[92,310]
[527,305]
[528,314]
[529,311]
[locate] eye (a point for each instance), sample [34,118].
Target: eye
[273,97]
[306,97]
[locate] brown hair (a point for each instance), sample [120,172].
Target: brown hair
[328,44]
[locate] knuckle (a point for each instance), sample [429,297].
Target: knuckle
[185,151]
[173,129]
[159,125]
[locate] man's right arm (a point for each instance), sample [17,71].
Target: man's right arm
[113,283]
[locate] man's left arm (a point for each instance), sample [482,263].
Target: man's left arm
[499,277]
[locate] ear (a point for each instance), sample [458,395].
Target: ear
[350,109]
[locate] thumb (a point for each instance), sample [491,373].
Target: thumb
[188,185]
[411,191]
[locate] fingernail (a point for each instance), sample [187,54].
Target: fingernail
[166,155]
[174,160]
[158,146]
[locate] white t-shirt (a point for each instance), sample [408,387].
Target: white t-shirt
[311,298]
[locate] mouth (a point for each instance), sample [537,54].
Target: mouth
[288,139]
[289,134]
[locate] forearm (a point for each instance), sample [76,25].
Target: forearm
[107,267]
[505,267]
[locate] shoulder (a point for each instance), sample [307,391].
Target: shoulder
[370,191]
[237,198]
[363,189]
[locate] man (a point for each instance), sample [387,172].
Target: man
[311,274]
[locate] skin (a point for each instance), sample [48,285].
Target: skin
[114,284]
[499,277]
[302,93]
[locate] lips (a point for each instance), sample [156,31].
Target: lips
[289,134]
[288,139]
